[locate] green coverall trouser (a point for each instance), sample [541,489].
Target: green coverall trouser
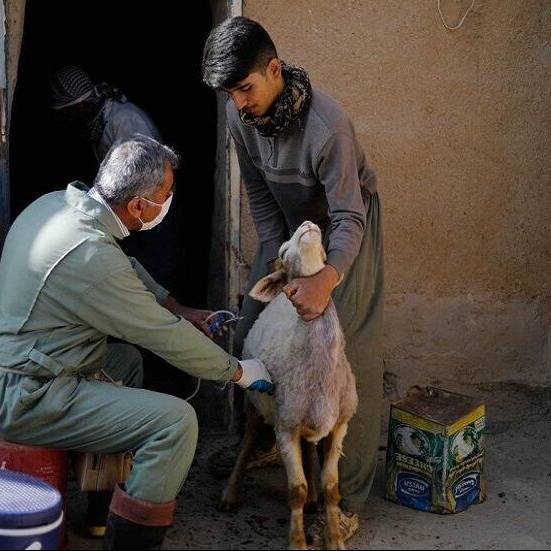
[84,415]
[359,302]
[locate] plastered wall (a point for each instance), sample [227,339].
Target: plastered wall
[15,17]
[457,125]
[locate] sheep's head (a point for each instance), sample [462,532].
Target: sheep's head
[302,256]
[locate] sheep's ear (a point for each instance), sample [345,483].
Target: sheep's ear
[267,288]
[278,265]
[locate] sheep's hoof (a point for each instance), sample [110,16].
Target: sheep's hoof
[227,506]
[228,502]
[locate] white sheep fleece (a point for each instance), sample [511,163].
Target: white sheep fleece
[314,383]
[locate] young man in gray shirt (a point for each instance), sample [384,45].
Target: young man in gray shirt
[300,160]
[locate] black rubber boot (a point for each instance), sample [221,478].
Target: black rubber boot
[123,534]
[96,515]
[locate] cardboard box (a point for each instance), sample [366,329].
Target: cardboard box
[100,471]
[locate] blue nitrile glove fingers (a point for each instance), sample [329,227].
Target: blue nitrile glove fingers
[215,324]
[262,386]
[255,376]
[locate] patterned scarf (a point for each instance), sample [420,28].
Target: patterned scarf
[293,101]
[102,93]
[94,129]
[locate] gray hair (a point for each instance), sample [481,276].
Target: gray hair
[133,167]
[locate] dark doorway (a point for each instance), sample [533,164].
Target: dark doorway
[152,51]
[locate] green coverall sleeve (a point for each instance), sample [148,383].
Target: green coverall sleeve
[159,291]
[120,306]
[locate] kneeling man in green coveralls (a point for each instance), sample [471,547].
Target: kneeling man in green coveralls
[65,285]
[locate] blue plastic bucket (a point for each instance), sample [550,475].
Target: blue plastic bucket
[31,512]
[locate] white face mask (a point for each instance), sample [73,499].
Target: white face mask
[159,218]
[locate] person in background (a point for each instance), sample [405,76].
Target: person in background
[100,111]
[103,115]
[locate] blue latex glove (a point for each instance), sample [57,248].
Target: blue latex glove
[216,323]
[221,319]
[255,376]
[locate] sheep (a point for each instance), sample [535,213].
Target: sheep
[315,390]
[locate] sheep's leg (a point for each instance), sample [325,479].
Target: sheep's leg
[231,492]
[310,462]
[330,482]
[291,453]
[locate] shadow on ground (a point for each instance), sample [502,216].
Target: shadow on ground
[515,515]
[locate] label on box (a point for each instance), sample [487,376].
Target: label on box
[414,491]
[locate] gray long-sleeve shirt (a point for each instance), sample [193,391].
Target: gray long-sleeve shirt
[123,119]
[314,171]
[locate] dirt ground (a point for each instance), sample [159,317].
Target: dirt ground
[515,515]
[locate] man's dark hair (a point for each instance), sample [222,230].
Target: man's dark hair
[233,50]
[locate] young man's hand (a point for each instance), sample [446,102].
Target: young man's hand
[193,315]
[310,295]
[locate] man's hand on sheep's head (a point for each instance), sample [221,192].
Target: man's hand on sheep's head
[310,295]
